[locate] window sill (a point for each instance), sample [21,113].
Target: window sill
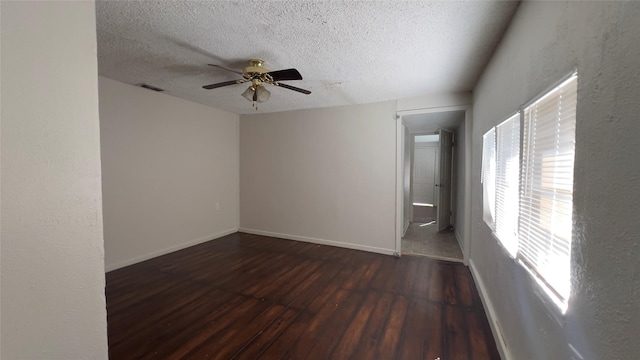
[511,250]
[555,307]
[552,304]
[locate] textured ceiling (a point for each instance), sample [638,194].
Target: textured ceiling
[349,52]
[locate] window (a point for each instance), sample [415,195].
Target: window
[500,178]
[507,186]
[546,198]
[528,199]
[489,176]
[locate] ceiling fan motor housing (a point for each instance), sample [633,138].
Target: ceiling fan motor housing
[255,67]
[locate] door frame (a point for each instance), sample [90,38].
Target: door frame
[466,212]
[448,186]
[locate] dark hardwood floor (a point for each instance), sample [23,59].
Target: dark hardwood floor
[248,297]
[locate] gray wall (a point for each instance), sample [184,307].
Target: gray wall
[544,42]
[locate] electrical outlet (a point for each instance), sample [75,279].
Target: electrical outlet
[217,205]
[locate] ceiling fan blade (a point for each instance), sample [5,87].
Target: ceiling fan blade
[226,68]
[287,74]
[225,83]
[293,88]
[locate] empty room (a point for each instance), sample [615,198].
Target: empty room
[239,180]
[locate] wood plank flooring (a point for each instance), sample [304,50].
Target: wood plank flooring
[253,297]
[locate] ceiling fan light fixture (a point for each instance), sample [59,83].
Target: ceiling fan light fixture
[248,94]
[262,94]
[257,93]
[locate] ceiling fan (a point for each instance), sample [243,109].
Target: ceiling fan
[258,76]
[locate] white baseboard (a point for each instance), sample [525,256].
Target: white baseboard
[491,314]
[151,255]
[320,241]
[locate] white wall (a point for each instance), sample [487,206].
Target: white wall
[544,42]
[166,162]
[53,304]
[324,175]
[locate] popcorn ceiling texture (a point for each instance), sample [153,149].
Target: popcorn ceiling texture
[347,52]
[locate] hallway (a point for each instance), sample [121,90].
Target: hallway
[423,238]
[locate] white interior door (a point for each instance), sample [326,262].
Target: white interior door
[424,170]
[444,183]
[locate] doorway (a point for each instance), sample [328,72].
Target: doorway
[430,204]
[425,163]
[423,177]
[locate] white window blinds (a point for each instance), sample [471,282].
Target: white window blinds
[546,199]
[488,176]
[507,182]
